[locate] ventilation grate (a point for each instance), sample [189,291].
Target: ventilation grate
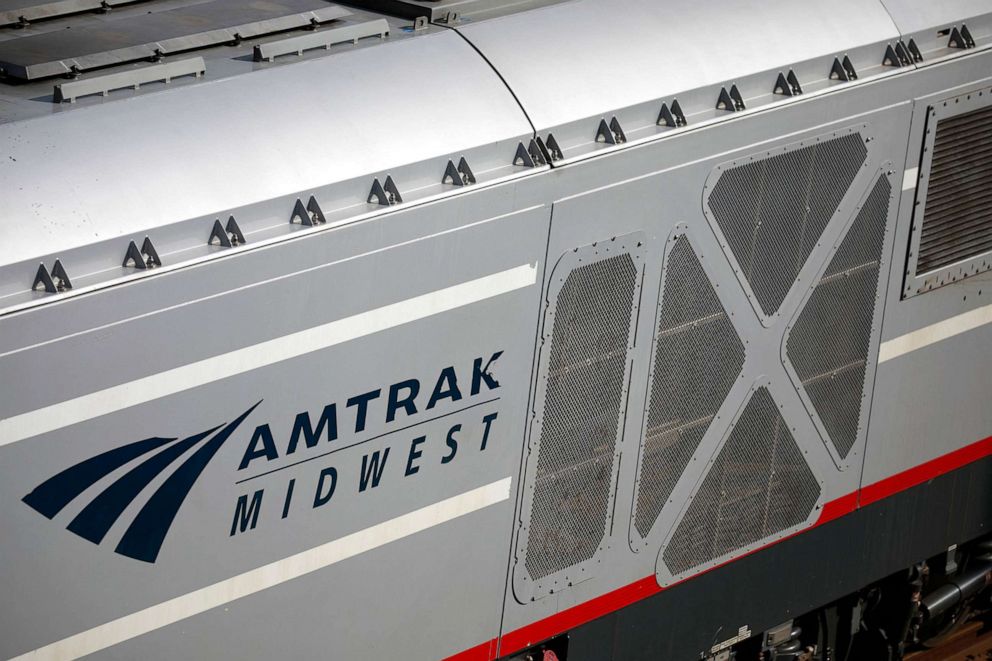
[581,419]
[828,346]
[957,220]
[758,486]
[772,211]
[698,356]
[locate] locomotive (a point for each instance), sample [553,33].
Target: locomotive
[569,330]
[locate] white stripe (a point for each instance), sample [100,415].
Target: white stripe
[909,179]
[934,333]
[276,573]
[215,368]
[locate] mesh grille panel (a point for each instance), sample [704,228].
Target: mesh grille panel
[957,222]
[759,485]
[772,211]
[828,346]
[582,415]
[697,359]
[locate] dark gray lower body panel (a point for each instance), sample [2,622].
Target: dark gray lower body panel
[797,575]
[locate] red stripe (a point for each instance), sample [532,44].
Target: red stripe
[580,614]
[838,508]
[570,618]
[926,472]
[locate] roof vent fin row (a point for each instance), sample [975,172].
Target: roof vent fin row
[321,39]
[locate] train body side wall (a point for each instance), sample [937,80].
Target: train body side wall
[442,309]
[393,544]
[926,406]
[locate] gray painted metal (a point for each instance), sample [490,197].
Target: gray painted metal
[653,53]
[88,181]
[322,39]
[165,72]
[235,160]
[17,11]
[451,11]
[929,24]
[157,34]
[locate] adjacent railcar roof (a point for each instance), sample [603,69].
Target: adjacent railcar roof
[115,169]
[248,106]
[570,62]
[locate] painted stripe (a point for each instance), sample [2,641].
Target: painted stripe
[177,609]
[926,472]
[570,618]
[215,368]
[909,178]
[934,333]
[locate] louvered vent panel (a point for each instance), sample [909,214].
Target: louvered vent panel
[957,221]
[828,346]
[698,356]
[772,211]
[758,486]
[581,415]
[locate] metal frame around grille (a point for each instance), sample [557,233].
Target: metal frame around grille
[558,462]
[758,488]
[960,117]
[739,198]
[698,355]
[827,347]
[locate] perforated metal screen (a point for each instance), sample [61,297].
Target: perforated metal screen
[772,211]
[828,345]
[698,356]
[583,402]
[758,486]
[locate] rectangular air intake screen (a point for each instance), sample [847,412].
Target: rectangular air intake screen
[579,413]
[952,229]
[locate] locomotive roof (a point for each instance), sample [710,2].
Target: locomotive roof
[267,103]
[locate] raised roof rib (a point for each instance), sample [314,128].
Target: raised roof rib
[25,11]
[156,34]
